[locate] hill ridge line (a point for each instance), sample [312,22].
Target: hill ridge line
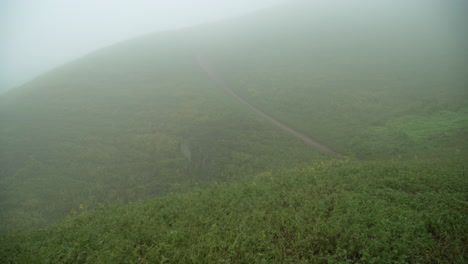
[204,63]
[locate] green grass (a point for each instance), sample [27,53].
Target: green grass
[438,134]
[338,83]
[150,162]
[341,103]
[423,128]
[327,212]
[124,143]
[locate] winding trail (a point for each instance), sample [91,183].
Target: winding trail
[204,63]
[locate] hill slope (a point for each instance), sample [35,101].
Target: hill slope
[327,212]
[142,119]
[377,80]
[94,133]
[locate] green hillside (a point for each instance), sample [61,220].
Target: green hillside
[107,129]
[209,179]
[364,85]
[325,212]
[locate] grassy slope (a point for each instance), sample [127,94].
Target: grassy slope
[110,128]
[368,99]
[365,85]
[326,212]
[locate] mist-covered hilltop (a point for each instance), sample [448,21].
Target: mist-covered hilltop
[140,119]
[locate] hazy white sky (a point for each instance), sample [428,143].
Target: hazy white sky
[38,35]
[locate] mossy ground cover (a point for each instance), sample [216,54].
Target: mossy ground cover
[338,211]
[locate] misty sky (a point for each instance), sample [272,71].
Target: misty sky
[38,35]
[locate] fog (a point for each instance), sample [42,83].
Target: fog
[40,35]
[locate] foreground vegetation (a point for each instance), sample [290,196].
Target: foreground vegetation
[328,212]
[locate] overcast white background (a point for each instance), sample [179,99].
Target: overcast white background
[38,35]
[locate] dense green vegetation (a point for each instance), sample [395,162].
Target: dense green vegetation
[208,180]
[327,212]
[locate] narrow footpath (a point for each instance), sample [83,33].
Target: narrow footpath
[204,63]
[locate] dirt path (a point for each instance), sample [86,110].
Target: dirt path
[206,66]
